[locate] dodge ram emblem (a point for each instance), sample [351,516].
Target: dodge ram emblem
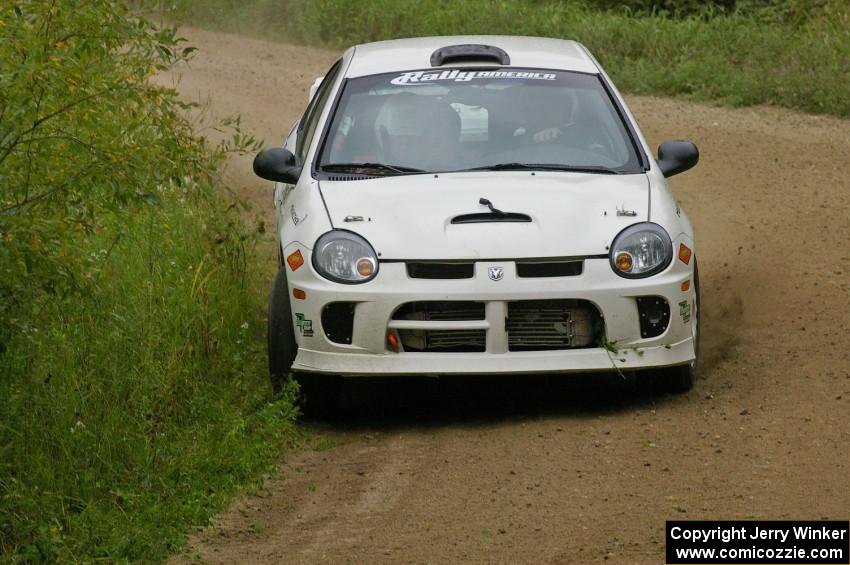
[496,273]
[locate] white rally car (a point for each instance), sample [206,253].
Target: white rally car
[476,205]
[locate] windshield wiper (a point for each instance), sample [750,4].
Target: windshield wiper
[543,167]
[396,169]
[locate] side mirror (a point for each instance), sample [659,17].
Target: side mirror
[276,164]
[676,157]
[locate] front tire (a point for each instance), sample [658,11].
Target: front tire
[281,336]
[681,379]
[319,394]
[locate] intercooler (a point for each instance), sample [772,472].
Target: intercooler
[460,340]
[538,325]
[530,325]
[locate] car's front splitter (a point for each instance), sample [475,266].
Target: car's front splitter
[526,362]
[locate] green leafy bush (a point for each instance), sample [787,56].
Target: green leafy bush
[83,136]
[132,372]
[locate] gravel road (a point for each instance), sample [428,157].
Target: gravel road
[582,470]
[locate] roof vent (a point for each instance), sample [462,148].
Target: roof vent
[469,52]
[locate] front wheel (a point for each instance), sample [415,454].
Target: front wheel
[281,337]
[681,378]
[319,394]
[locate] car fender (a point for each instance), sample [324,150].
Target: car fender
[665,210]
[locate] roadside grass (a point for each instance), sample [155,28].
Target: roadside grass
[133,412]
[758,55]
[135,397]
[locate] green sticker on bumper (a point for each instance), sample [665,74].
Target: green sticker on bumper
[685,311]
[305,325]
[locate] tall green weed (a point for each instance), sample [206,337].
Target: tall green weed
[132,362]
[137,410]
[790,53]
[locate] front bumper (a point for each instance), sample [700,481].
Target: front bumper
[368,353]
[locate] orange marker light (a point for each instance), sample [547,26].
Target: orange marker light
[623,261]
[299,294]
[365,267]
[686,286]
[684,253]
[392,340]
[295,260]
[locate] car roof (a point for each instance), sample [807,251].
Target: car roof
[408,54]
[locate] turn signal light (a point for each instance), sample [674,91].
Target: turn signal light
[684,253]
[392,341]
[299,294]
[295,260]
[624,261]
[686,286]
[365,267]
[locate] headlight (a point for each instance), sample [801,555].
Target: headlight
[641,250]
[345,257]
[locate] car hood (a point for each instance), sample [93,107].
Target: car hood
[410,216]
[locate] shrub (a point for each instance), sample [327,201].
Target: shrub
[135,397]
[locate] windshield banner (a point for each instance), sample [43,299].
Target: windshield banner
[419,77]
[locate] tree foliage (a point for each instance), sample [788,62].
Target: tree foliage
[85,138]
[135,400]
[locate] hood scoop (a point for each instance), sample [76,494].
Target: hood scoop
[494,215]
[486,217]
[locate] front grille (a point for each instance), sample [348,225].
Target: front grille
[457,341]
[540,325]
[442,340]
[440,270]
[443,310]
[535,269]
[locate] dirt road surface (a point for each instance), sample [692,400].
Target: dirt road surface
[574,470]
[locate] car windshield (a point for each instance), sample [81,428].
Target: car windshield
[462,119]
